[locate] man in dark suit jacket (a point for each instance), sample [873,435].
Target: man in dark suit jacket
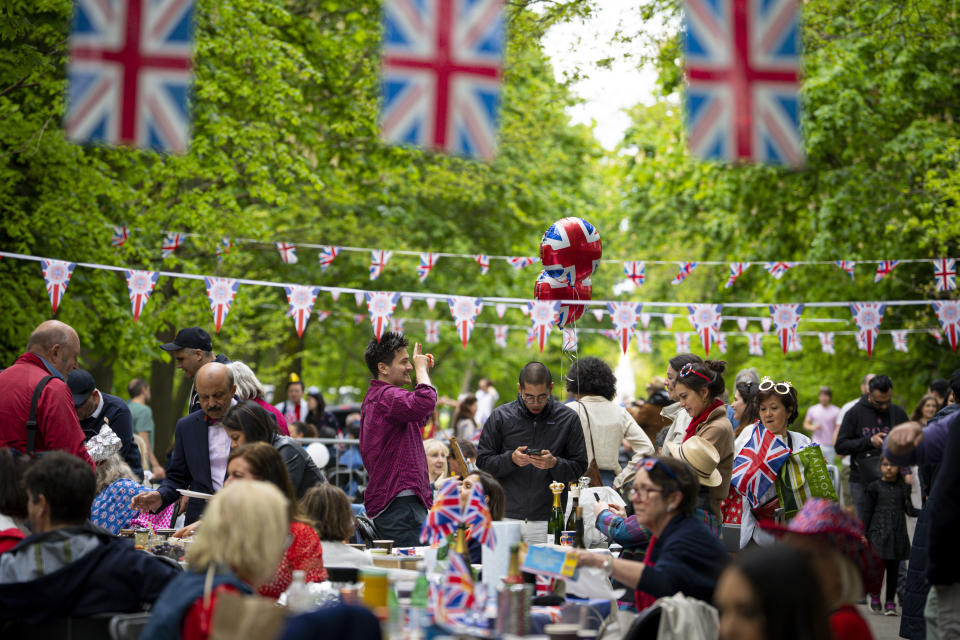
[201,446]
[94,408]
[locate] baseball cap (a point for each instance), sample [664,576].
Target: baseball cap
[190,338]
[81,384]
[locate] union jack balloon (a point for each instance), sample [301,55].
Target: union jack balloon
[56,273]
[570,251]
[140,284]
[221,292]
[547,289]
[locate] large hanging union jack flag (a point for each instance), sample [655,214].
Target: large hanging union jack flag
[129,73]
[742,61]
[440,85]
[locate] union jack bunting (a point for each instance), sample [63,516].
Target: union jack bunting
[406,301]
[301,299]
[500,332]
[570,341]
[140,284]
[796,344]
[397,325]
[868,316]
[636,271]
[667,320]
[476,515]
[742,323]
[706,319]
[644,319]
[444,516]
[777,269]
[899,340]
[484,261]
[722,342]
[519,262]
[56,273]
[643,341]
[440,84]
[431,330]
[335,294]
[826,342]
[736,270]
[610,333]
[501,308]
[598,314]
[570,251]
[765,324]
[624,316]
[786,317]
[359,297]
[846,265]
[742,64]
[756,466]
[884,268]
[682,342]
[543,313]
[120,235]
[948,313]
[171,242]
[221,292]
[457,588]
[936,335]
[223,248]
[683,271]
[327,255]
[431,303]
[322,315]
[861,341]
[427,262]
[378,262]
[755,344]
[464,311]
[129,74]
[380,304]
[945,274]
[358,318]
[288,252]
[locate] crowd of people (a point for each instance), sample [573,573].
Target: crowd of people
[258,509]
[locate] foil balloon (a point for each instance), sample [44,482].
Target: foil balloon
[547,289]
[570,251]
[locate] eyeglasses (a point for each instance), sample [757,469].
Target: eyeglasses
[783,388]
[540,399]
[688,369]
[642,493]
[648,464]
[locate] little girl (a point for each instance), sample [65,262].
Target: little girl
[887,503]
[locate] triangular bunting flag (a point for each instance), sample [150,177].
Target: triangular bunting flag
[335,294]
[397,325]
[826,342]
[427,262]
[501,308]
[140,284]
[221,292]
[777,269]
[431,330]
[500,332]
[288,252]
[846,265]
[736,270]
[484,261]
[431,303]
[786,317]
[636,271]
[358,318]
[543,314]
[682,342]
[321,315]
[742,323]
[378,262]
[899,340]
[624,316]
[360,297]
[644,341]
[795,343]
[56,273]
[683,271]
[519,262]
[380,304]
[464,311]
[406,301]
[223,248]
[868,316]
[755,344]
[667,320]
[301,299]
[327,255]
[765,324]
[884,268]
[644,319]
[722,342]
[706,319]
[598,314]
[945,274]
[120,235]
[948,313]
[171,242]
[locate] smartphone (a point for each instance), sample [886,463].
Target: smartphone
[533,452]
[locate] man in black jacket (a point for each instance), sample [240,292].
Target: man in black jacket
[862,433]
[534,422]
[95,408]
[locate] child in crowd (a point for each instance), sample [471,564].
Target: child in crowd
[887,503]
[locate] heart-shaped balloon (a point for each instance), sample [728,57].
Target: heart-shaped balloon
[547,289]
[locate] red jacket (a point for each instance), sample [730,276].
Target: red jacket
[57,424]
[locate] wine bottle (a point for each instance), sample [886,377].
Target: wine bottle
[578,538]
[555,523]
[513,600]
[575,496]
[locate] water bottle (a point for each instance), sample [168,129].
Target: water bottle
[299,598]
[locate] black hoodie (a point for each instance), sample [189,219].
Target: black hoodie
[557,429]
[860,424]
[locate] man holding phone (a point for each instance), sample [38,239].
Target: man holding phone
[529,443]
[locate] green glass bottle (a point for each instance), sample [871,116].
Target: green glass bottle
[575,496]
[555,523]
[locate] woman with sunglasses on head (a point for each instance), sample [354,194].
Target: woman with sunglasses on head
[683,554]
[698,388]
[777,409]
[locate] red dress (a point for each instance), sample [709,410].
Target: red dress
[304,553]
[198,621]
[847,624]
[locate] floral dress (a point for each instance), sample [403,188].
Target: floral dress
[111,508]
[305,553]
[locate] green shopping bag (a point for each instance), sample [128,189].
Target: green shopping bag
[803,476]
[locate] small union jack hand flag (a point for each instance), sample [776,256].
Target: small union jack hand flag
[948,313]
[457,589]
[846,265]
[756,466]
[427,262]
[56,273]
[288,252]
[301,301]
[899,340]
[223,248]
[636,271]
[221,292]
[327,255]
[945,274]
[140,284]
[500,332]
[519,262]
[683,271]
[736,270]
[777,269]
[682,342]
[431,329]
[444,516]
[755,344]
[477,517]
[826,342]
[484,261]
[381,304]
[120,235]
[378,262]
[644,342]
[884,268]
[171,242]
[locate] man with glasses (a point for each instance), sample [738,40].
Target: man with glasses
[862,432]
[529,443]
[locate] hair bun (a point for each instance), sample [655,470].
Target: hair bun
[716,365]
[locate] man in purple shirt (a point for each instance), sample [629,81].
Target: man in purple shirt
[391,442]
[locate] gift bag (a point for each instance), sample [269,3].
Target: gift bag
[802,477]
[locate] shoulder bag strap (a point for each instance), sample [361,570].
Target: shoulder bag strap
[32,418]
[589,431]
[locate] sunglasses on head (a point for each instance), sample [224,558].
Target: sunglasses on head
[688,369]
[648,464]
[783,388]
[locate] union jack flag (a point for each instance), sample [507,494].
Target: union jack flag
[644,342]
[755,344]
[301,301]
[171,242]
[935,334]
[531,337]
[500,332]
[129,73]
[899,340]
[484,261]
[777,269]
[221,292]
[786,317]
[543,313]
[743,80]
[945,274]
[683,272]
[464,311]
[736,270]
[846,265]
[431,329]
[722,342]
[706,319]
[56,273]
[427,262]
[358,318]
[796,344]
[223,248]
[570,250]
[624,316]
[826,342]
[682,342]
[636,271]
[598,314]
[327,254]
[120,235]
[322,315]
[288,252]
[519,262]
[476,515]
[378,262]
[570,341]
[948,313]
[861,341]
[868,316]
[406,301]
[140,284]
[397,325]
[501,308]
[440,85]
[380,304]
[757,464]
[431,303]
[444,516]
[884,267]
[457,588]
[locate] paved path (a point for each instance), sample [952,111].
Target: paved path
[883,627]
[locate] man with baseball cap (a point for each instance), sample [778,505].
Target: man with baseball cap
[191,349]
[95,408]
